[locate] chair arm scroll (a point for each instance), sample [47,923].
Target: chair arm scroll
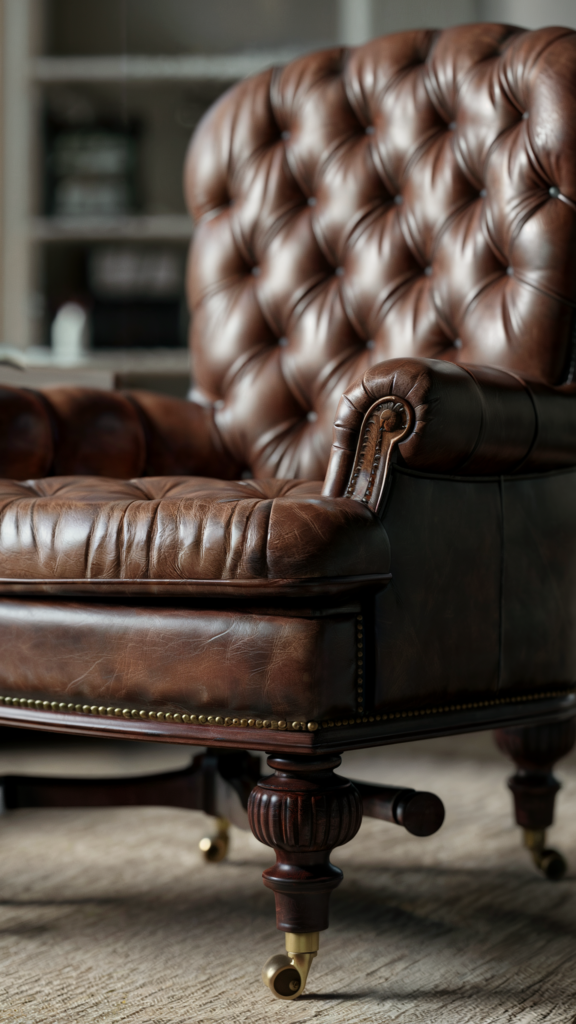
[384,425]
[449,419]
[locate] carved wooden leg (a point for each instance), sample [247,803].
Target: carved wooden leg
[303,811]
[535,750]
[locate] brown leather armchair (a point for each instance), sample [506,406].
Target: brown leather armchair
[384,261]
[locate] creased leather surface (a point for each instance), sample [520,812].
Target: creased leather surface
[179,659]
[183,529]
[387,202]
[467,419]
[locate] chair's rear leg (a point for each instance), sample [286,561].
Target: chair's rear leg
[229,778]
[217,782]
[535,749]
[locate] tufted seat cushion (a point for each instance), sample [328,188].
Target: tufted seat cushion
[184,535]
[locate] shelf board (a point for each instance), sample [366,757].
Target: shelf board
[201,68]
[174,227]
[122,361]
[153,369]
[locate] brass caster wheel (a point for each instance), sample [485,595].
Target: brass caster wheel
[286,975]
[549,862]
[215,848]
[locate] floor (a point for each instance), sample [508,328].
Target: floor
[112,915]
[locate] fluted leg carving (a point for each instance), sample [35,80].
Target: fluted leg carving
[535,749]
[303,811]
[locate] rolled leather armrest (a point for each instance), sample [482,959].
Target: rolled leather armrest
[70,431]
[470,420]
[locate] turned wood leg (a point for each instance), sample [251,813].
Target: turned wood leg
[535,750]
[302,811]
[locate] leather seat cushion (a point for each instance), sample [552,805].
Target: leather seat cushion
[180,660]
[184,535]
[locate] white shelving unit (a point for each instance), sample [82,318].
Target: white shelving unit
[31,77]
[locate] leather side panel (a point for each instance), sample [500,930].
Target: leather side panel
[539,586]
[179,659]
[483,592]
[437,623]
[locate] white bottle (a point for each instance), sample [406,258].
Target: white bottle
[69,333]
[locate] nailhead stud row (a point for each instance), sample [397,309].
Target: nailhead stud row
[161,716]
[262,723]
[330,724]
[360,665]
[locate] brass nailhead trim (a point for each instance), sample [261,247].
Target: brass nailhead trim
[274,724]
[359,665]
[452,707]
[297,725]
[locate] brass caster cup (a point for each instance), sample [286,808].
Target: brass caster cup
[549,862]
[215,848]
[286,975]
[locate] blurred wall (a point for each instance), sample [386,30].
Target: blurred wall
[530,13]
[362,19]
[391,16]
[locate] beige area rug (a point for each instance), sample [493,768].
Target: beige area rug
[112,916]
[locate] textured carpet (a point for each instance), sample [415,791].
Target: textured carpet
[111,915]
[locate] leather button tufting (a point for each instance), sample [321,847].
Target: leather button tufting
[381,93]
[554,191]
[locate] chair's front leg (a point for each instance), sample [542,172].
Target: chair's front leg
[535,750]
[303,811]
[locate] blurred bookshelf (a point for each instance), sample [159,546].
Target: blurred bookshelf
[100,98]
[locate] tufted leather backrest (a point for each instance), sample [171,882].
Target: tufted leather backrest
[412,197]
